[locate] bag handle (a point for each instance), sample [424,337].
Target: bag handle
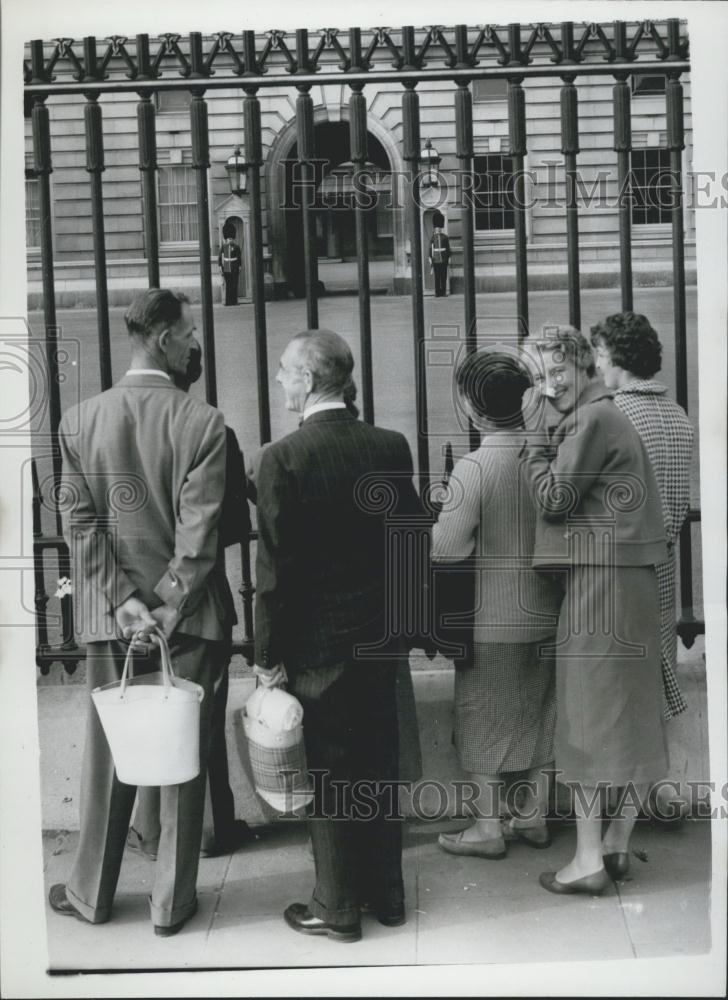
[165,658]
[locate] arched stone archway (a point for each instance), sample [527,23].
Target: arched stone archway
[275,179]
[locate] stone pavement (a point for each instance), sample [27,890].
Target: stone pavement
[459,910]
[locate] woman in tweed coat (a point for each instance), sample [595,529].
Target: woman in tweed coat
[628,353]
[505,701]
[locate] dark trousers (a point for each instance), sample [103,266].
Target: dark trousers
[219,816]
[440,279]
[231,288]
[350,730]
[106,803]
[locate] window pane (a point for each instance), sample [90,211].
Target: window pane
[651,186]
[648,84]
[493,193]
[490,90]
[177,204]
[173,100]
[32,213]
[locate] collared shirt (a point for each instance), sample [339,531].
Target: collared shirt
[319,407]
[148,371]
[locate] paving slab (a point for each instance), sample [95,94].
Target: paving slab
[498,928]
[459,910]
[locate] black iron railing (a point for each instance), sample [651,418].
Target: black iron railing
[250,63]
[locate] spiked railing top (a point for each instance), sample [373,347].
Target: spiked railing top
[120,62]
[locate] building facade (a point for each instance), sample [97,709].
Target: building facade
[490,201]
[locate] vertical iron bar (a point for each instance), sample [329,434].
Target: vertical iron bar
[254,158]
[464,137]
[201,163]
[148,167]
[64,569]
[464,150]
[247,591]
[304,121]
[43,169]
[676,144]
[358,144]
[95,167]
[41,597]
[623,145]
[411,144]
[517,133]
[570,147]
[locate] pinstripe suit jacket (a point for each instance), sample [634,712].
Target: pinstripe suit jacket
[322,575]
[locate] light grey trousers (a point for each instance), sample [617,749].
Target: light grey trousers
[106,803]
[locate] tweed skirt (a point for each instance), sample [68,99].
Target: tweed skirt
[609,725]
[505,707]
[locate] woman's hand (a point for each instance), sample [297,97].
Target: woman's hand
[538,413]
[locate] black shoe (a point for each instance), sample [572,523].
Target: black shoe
[60,903]
[238,836]
[135,842]
[299,918]
[392,915]
[617,865]
[173,929]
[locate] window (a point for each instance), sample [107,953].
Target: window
[32,213]
[644,86]
[490,89]
[651,186]
[177,204]
[493,192]
[175,101]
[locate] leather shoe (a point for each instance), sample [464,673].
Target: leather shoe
[299,918]
[392,915]
[395,916]
[534,836]
[238,836]
[172,929]
[135,842]
[617,864]
[493,849]
[593,885]
[60,903]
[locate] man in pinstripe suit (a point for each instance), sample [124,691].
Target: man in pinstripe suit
[322,585]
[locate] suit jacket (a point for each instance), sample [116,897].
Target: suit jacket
[234,527]
[322,574]
[143,482]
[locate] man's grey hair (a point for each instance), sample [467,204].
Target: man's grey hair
[329,359]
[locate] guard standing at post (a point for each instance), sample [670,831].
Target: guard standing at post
[439,254]
[230,261]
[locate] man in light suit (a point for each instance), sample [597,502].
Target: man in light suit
[322,595]
[143,482]
[222,832]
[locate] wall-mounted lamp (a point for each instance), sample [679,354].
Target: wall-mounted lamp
[237,171]
[430,160]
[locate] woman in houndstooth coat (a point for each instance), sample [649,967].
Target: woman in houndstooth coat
[627,354]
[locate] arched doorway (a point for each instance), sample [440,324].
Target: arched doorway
[333,208]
